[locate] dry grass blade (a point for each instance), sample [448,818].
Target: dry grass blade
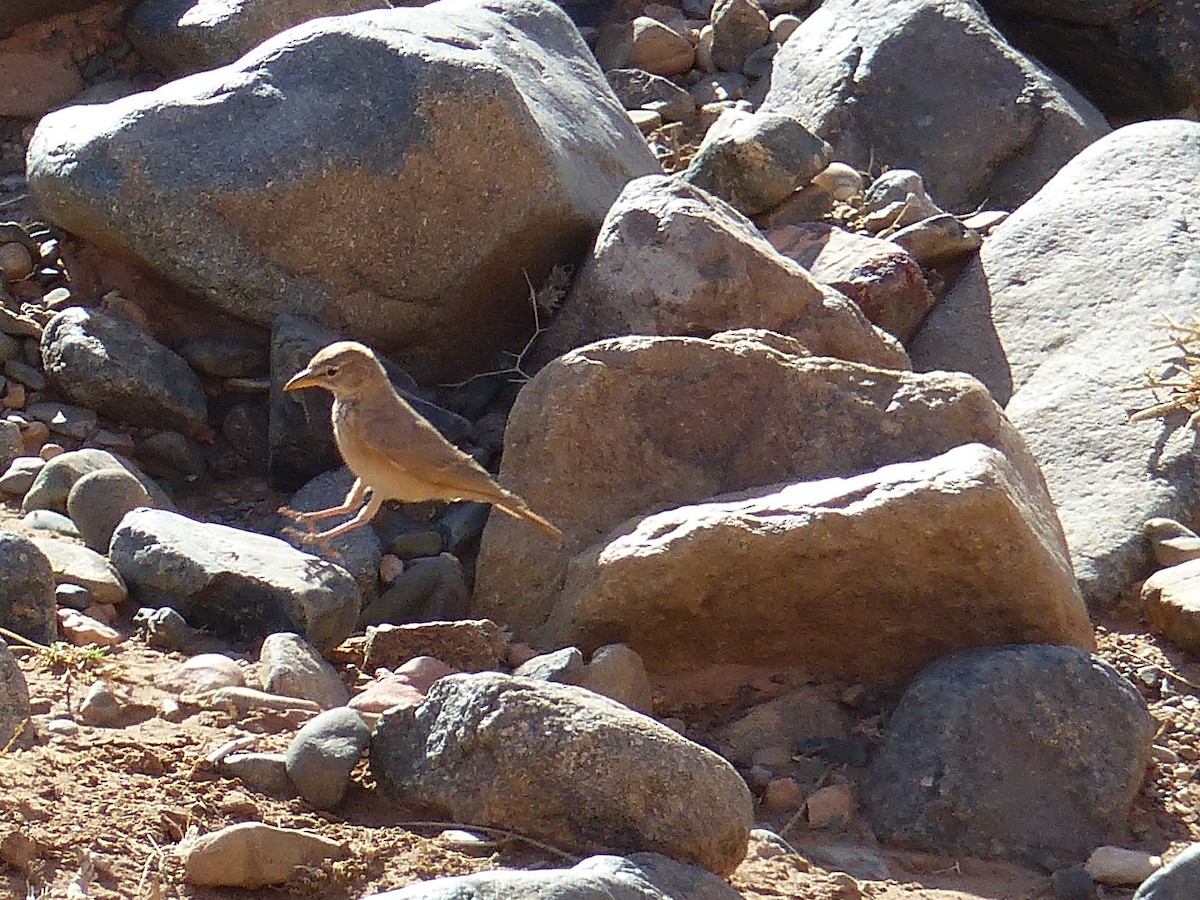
[1178,390]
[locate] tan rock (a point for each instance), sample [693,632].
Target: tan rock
[645,43]
[870,577]
[632,426]
[1171,604]
[75,564]
[32,84]
[252,854]
[466,645]
[673,259]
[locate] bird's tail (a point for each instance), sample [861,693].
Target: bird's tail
[515,506]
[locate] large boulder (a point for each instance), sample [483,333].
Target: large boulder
[395,173]
[1061,314]
[627,427]
[1029,752]
[490,749]
[1133,61]
[183,36]
[996,131]
[673,259]
[868,578]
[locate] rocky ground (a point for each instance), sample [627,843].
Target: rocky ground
[108,804]
[91,810]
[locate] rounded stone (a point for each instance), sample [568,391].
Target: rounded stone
[324,753]
[99,500]
[27,590]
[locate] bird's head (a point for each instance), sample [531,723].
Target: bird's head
[345,368]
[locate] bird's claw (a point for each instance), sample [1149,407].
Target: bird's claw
[295,515]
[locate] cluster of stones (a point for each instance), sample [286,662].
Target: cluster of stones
[725,423]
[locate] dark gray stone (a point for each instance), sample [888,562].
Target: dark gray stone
[1073,883]
[1007,127]
[323,754]
[327,142]
[237,584]
[11,445]
[1031,752]
[640,876]
[299,429]
[223,357]
[639,89]
[489,749]
[164,628]
[432,589]
[99,500]
[1177,880]
[754,161]
[357,551]
[27,589]
[52,487]
[108,364]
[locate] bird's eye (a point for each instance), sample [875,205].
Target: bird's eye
[330,371]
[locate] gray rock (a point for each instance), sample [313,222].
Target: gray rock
[291,666]
[1133,66]
[428,590]
[739,28]
[1177,880]
[299,429]
[164,628]
[25,374]
[100,706]
[710,575]
[1171,542]
[673,259]
[323,754]
[108,364]
[639,89]
[236,583]
[265,772]
[64,418]
[1073,883]
[487,749]
[26,590]
[179,37]
[640,876]
[357,551]
[171,453]
[18,478]
[11,445]
[223,357]
[14,694]
[462,525]
[246,428]
[48,520]
[1009,125]
[563,666]
[73,564]
[1027,752]
[279,208]
[72,596]
[618,672]
[52,486]
[99,500]
[755,161]
[1014,304]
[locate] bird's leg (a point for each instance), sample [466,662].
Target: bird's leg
[365,515]
[354,499]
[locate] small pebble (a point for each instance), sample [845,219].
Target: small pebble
[51,450]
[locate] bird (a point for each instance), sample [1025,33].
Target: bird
[392,451]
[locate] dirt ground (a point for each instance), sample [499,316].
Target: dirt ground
[97,813]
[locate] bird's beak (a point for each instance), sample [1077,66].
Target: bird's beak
[302,379]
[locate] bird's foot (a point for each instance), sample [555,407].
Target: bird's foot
[295,515]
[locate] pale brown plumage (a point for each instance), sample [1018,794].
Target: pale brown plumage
[393,452]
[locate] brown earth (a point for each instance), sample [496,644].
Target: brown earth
[98,813]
